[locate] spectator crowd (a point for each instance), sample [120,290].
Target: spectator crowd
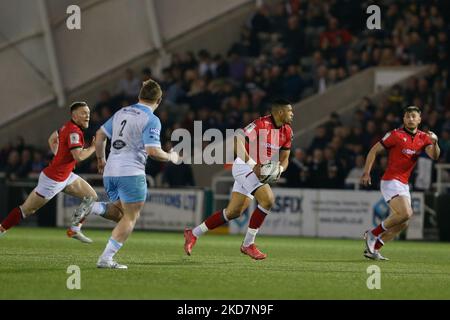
[292,49]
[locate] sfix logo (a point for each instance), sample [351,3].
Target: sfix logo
[288,204]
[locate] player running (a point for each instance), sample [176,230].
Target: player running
[404,146]
[67,144]
[264,141]
[134,132]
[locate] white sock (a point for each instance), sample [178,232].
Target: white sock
[225,215]
[111,249]
[99,208]
[250,236]
[200,230]
[23,214]
[75,228]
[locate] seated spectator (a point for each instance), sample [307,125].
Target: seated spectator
[130,86]
[205,63]
[146,74]
[4,154]
[355,174]
[334,31]
[320,139]
[321,80]
[220,67]
[297,172]
[292,84]
[318,169]
[38,163]
[25,164]
[12,166]
[237,66]
[104,100]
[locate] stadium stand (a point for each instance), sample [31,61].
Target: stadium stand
[268,60]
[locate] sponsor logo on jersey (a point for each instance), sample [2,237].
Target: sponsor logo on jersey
[155,130]
[118,144]
[131,110]
[271,146]
[409,151]
[74,138]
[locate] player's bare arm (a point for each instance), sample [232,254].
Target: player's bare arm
[241,152]
[239,148]
[158,154]
[81,154]
[53,142]
[284,158]
[371,156]
[433,151]
[100,145]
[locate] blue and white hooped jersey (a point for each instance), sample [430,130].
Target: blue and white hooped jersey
[131,129]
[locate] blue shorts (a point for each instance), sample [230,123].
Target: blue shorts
[126,189]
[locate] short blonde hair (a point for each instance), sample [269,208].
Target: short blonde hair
[150,91]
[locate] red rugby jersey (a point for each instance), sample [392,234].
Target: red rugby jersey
[264,139]
[70,136]
[404,148]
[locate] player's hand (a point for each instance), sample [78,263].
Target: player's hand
[433,136]
[174,157]
[365,179]
[101,163]
[92,146]
[257,170]
[281,170]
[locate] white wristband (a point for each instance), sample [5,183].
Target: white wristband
[251,163]
[281,168]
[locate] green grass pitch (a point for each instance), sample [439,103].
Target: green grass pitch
[34,261]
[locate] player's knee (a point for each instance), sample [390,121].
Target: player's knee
[404,225]
[268,202]
[233,213]
[118,216]
[405,215]
[409,213]
[136,216]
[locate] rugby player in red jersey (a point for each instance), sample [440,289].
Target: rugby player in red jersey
[257,149]
[67,144]
[404,146]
